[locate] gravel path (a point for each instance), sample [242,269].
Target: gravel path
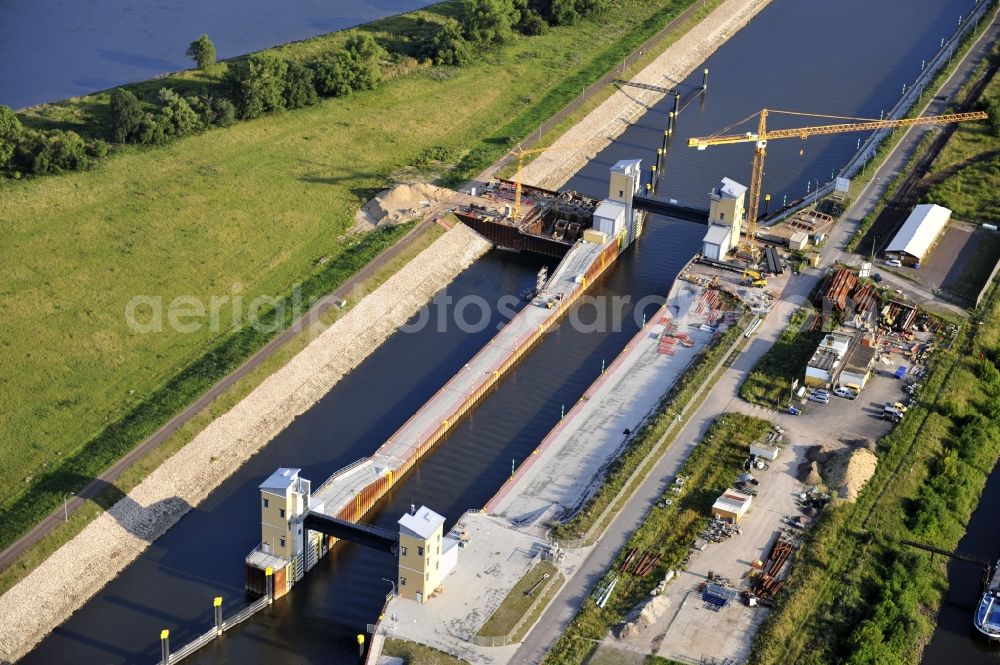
[81,567]
[552,169]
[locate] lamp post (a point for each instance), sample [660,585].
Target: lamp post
[392,582]
[66,497]
[817,188]
[874,238]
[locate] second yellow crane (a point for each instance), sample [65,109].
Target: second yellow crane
[520,153]
[763,135]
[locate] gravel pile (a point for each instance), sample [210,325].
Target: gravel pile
[77,570]
[553,168]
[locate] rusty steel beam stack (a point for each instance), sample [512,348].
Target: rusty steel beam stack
[767,585]
[839,288]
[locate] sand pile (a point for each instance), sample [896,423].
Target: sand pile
[847,472]
[642,616]
[400,204]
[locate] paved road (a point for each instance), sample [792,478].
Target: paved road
[96,486]
[724,397]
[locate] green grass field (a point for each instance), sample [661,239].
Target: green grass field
[518,601]
[967,171]
[255,208]
[418,654]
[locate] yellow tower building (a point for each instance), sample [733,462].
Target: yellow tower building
[726,207]
[425,555]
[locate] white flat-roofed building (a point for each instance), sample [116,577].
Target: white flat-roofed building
[915,239]
[716,243]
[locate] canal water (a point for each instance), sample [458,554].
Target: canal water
[955,640]
[54,49]
[797,54]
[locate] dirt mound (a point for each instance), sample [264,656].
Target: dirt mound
[848,472]
[400,204]
[642,616]
[809,473]
[818,454]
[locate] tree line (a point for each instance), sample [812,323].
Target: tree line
[267,83]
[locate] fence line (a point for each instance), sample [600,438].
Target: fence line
[907,99]
[504,640]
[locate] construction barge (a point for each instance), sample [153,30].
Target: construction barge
[298,524]
[552,224]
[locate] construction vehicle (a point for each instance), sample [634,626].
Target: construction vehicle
[763,135]
[520,153]
[753,278]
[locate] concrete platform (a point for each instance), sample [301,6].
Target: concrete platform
[567,466]
[504,543]
[494,558]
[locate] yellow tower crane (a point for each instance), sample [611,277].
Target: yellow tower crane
[763,135]
[520,153]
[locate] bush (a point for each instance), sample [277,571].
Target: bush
[55,152]
[567,12]
[202,51]
[365,58]
[127,115]
[150,132]
[299,88]
[448,45]
[217,111]
[532,23]
[489,21]
[357,67]
[330,75]
[10,134]
[258,85]
[176,116]
[563,12]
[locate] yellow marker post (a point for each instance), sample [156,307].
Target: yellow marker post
[217,604]
[164,646]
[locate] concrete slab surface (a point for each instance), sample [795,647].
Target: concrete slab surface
[494,558]
[567,466]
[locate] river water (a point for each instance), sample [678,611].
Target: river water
[797,54]
[54,49]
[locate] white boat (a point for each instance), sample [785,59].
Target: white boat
[987,617]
